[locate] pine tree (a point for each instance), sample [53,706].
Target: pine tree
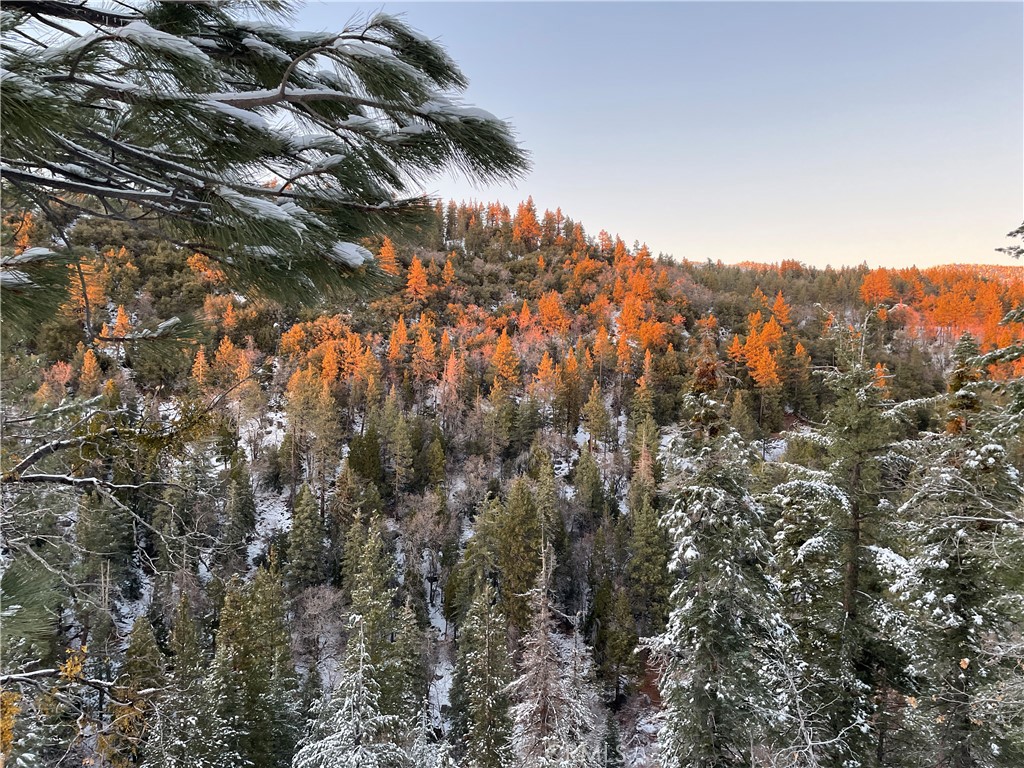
[306,549]
[650,583]
[715,648]
[239,518]
[291,240]
[589,486]
[547,500]
[519,551]
[365,454]
[481,723]
[351,730]
[400,454]
[554,716]
[834,533]
[388,259]
[505,363]
[252,685]
[135,696]
[964,494]
[186,729]
[595,416]
[417,288]
[390,635]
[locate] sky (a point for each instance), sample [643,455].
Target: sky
[828,132]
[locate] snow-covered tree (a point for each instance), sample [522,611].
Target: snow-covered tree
[964,527]
[252,684]
[350,729]
[391,636]
[835,543]
[555,718]
[716,694]
[270,150]
[481,723]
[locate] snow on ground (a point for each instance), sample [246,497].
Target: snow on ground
[443,667]
[168,410]
[772,450]
[272,517]
[128,611]
[455,487]
[669,436]
[562,467]
[466,532]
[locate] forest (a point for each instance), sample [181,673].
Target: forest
[506,492]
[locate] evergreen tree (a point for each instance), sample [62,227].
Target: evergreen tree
[135,696]
[595,416]
[964,495]
[390,635]
[851,639]
[295,240]
[351,730]
[355,541]
[252,683]
[239,523]
[714,650]
[306,550]
[187,729]
[650,583]
[400,452]
[518,552]
[589,487]
[554,716]
[365,454]
[481,724]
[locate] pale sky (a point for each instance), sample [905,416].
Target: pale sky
[831,133]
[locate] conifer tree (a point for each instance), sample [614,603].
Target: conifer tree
[519,551]
[135,696]
[352,555]
[347,177]
[389,632]
[351,730]
[239,518]
[589,486]
[834,537]
[365,454]
[649,580]
[417,287]
[554,716]
[505,363]
[252,684]
[400,453]
[547,500]
[187,729]
[714,650]
[306,550]
[964,495]
[481,723]
[388,259]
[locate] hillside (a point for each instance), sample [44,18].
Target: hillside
[536,458]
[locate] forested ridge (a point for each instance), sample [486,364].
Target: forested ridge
[545,496]
[303,469]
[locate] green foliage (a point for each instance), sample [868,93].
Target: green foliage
[518,545]
[353,177]
[306,548]
[481,723]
